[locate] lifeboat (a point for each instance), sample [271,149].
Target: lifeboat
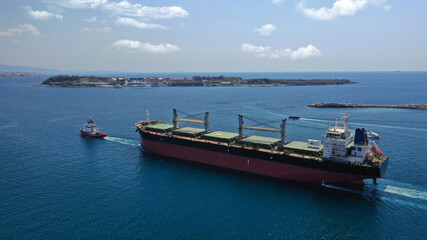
[373,135]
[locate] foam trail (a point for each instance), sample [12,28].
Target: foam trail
[391,126]
[341,188]
[401,189]
[130,142]
[406,192]
[65,118]
[8,126]
[405,203]
[316,120]
[368,124]
[367,194]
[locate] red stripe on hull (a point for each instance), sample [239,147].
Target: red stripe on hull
[252,165]
[101,135]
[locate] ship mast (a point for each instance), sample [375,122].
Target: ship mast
[147,113]
[283,132]
[345,120]
[241,122]
[90,124]
[206,122]
[175,117]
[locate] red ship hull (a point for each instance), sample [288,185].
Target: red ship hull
[251,165]
[86,134]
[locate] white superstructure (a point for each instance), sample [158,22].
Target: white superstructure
[91,125]
[340,144]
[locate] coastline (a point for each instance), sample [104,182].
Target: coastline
[195,81]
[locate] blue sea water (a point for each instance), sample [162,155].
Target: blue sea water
[55,184]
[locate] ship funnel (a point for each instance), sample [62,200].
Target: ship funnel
[360,137]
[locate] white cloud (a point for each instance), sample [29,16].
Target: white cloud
[10,32]
[103,30]
[23,28]
[145,47]
[137,10]
[135,23]
[100,30]
[265,30]
[340,8]
[278,2]
[381,4]
[268,52]
[125,8]
[92,19]
[43,15]
[305,52]
[80,3]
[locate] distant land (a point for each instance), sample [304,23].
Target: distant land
[92,81]
[352,105]
[20,74]
[12,68]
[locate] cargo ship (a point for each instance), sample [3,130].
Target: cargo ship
[340,157]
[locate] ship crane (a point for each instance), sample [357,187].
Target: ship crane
[347,157]
[282,129]
[176,120]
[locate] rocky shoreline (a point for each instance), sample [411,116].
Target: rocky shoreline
[352,105]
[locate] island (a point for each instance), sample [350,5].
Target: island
[202,81]
[352,105]
[19,74]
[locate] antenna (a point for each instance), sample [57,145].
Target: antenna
[345,120]
[147,113]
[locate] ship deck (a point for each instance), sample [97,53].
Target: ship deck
[303,147]
[262,144]
[221,136]
[191,134]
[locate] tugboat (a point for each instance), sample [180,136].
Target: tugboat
[92,131]
[294,117]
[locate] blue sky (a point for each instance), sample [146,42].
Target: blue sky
[214,35]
